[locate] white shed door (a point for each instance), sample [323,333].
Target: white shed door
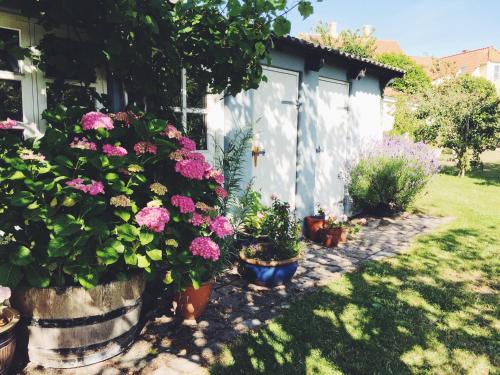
[275,133]
[331,144]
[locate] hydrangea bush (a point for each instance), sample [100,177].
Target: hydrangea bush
[105,196]
[390,174]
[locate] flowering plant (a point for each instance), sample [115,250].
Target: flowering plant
[390,174]
[333,222]
[101,196]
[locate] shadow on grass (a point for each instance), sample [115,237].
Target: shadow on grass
[488,175]
[412,314]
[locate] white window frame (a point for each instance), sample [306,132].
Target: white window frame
[27,71]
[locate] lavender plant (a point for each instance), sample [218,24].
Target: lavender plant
[389,175]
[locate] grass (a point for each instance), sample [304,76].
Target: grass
[433,310]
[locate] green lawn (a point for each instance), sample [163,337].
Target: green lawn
[434,310]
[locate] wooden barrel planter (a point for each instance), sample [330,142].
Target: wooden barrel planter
[7,338]
[73,327]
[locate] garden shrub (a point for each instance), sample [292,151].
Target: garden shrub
[388,177]
[98,199]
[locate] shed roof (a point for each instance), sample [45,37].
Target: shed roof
[347,57]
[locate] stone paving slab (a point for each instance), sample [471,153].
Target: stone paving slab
[167,345]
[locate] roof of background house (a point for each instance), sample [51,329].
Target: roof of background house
[387,46]
[308,45]
[468,61]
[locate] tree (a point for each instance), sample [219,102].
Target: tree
[144,44]
[348,41]
[415,79]
[463,114]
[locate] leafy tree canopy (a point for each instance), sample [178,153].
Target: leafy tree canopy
[462,114]
[414,81]
[349,41]
[144,43]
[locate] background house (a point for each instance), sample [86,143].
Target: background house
[315,113]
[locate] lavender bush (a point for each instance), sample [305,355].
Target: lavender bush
[390,174]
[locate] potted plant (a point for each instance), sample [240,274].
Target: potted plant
[8,321]
[252,214]
[274,262]
[89,211]
[314,224]
[335,231]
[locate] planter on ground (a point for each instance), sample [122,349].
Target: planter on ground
[267,273]
[74,327]
[10,317]
[191,302]
[313,225]
[331,237]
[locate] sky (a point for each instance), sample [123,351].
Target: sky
[422,27]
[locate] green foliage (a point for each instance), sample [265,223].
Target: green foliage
[415,79]
[406,120]
[462,114]
[385,185]
[53,234]
[143,44]
[348,41]
[283,230]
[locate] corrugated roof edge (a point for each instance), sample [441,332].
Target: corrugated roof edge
[305,44]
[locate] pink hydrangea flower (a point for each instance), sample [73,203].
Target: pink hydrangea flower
[192,169]
[217,175]
[96,120]
[197,219]
[187,144]
[221,227]
[205,248]
[195,156]
[94,188]
[153,218]
[221,193]
[185,204]
[7,124]
[83,144]
[111,150]
[172,132]
[145,147]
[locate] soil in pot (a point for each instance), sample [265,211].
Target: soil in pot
[191,303]
[332,237]
[8,322]
[313,225]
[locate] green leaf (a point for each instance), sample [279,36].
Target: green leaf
[195,280]
[10,275]
[281,26]
[260,48]
[130,257]
[88,279]
[61,159]
[66,225]
[168,278]
[142,261]
[146,238]
[127,232]
[38,277]
[57,248]
[305,9]
[112,176]
[22,199]
[155,254]
[21,257]
[17,175]
[124,215]
[107,255]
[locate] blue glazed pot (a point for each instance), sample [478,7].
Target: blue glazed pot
[267,273]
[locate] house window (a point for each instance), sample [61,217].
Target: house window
[496,73]
[71,95]
[10,77]
[192,110]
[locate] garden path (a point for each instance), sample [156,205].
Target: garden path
[168,346]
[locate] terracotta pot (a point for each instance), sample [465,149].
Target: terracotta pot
[191,303]
[332,237]
[314,224]
[7,338]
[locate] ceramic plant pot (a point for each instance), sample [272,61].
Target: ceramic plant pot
[191,303]
[267,273]
[7,337]
[332,237]
[313,225]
